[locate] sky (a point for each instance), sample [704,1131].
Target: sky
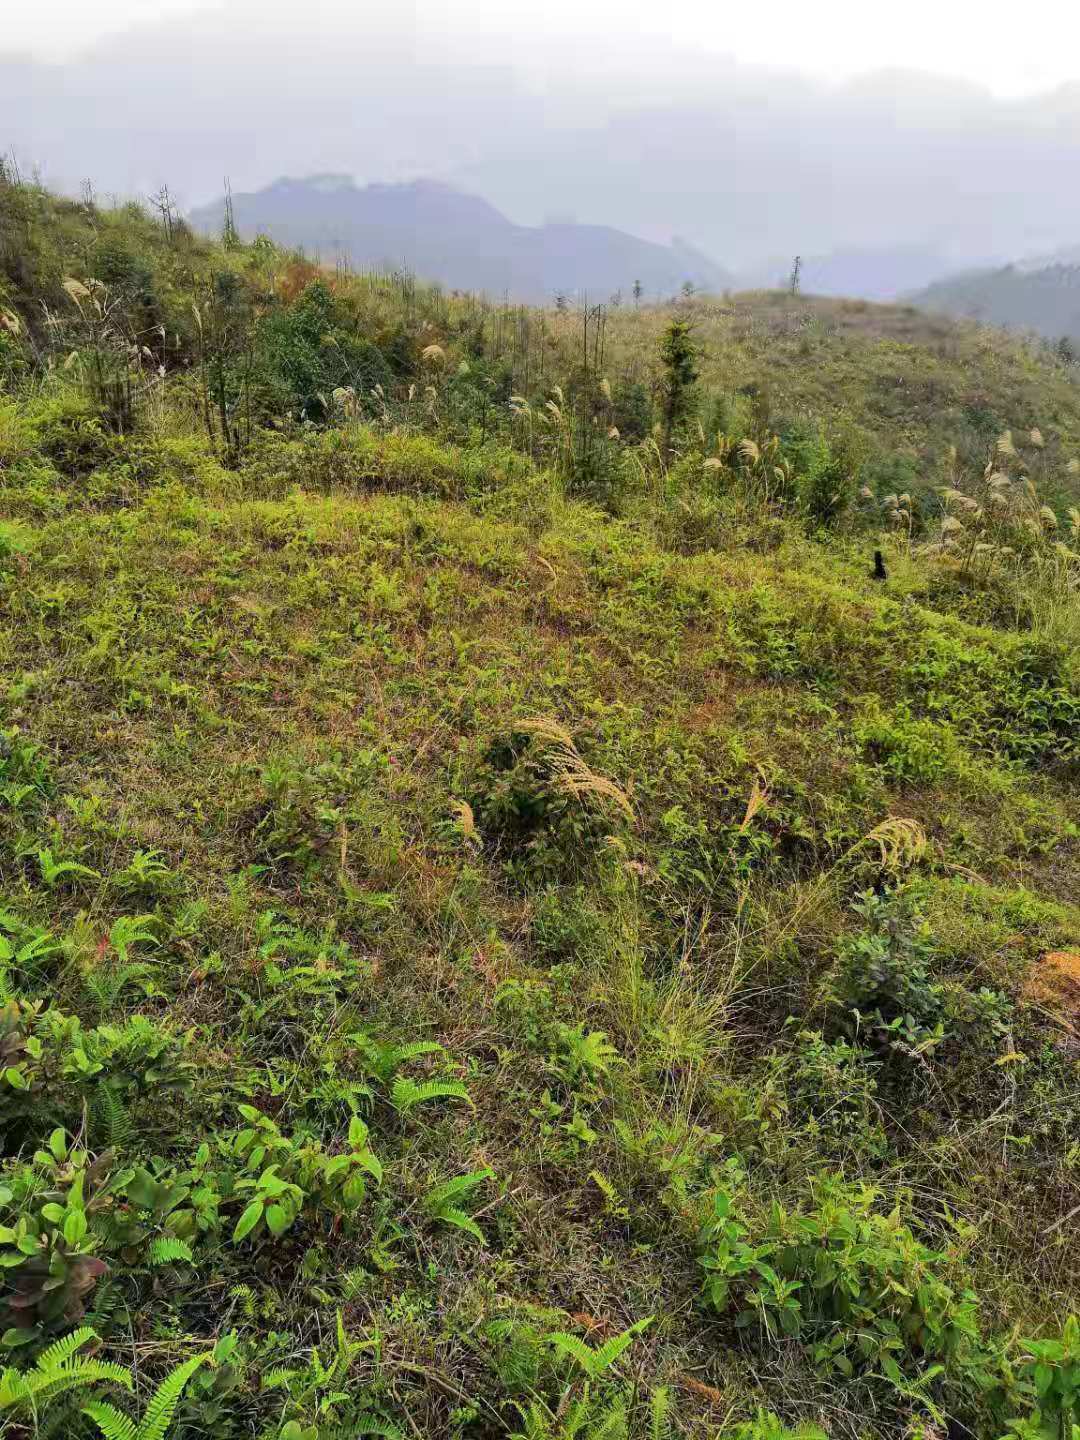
[1009,50]
[751,129]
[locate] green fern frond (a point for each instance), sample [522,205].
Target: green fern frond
[454,1189]
[113,1424]
[59,1370]
[596,1362]
[609,1352]
[461,1221]
[112,1122]
[398,1055]
[167,1250]
[407,1094]
[660,1413]
[63,1349]
[279,1378]
[611,1425]
[371,1424]
[575,1347]
[166,1398]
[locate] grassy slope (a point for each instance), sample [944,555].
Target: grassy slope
[905,384]
[285,682]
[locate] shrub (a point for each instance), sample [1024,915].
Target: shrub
[537,798]
[885,985]
[847,1279]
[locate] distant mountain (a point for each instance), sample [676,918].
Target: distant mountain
[1044,299]
[443,234]
[878,273]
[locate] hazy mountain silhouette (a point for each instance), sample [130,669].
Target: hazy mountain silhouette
[443,234]
[750,163]
[1045,299]
[884,273]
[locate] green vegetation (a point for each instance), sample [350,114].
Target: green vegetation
[507,927]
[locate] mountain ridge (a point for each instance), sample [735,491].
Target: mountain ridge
[459,239]
[1019,296]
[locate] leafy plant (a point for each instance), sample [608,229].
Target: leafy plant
[852,1282]
[318,1396]
[47,1260]
[156,1419]
[407,1093]
[1050,1372]
[300,1170]
[60,1371]
[443,1203]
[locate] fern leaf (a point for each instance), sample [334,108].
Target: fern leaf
[595,1362]
[62,1350]
[167,1250]
[461,1221]
[166,1398]
[454,1189]
[399,1054]
[406,1094]
[370,1424]
[110,1421]
[609,1352]
[278,1378]
[660,1413]
[575,1347]
[611,1425]
[111,1119]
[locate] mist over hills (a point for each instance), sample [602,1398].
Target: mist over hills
[746,163]
[460,240]
[1022,296]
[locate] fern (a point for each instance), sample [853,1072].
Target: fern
[407,1094]
[462,1221]
[660,1413]
[245,1296]
[371,1424]
[612,1424]
[439,1202]
[167,1250]
[581,1419]
[382,1060]
[115,1425]
[107,1299]
[59,1370]
[112,1122]
[595,1362]
[397,1055]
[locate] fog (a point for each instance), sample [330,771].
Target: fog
[673,128]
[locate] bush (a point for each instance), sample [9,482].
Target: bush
[849,1280]
[308,350]
[71,432]
[825,474]
[538,800]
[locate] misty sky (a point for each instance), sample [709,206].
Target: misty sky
[1011,50]
[753,131]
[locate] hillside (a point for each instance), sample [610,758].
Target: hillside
[880,273]
[459,240]
[509,929]
[1044,299]
[900,388]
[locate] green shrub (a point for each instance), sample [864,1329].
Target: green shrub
[71,432]
[539,801]
[850,1281]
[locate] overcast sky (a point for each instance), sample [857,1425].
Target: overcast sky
[751,130]
[1009,49]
